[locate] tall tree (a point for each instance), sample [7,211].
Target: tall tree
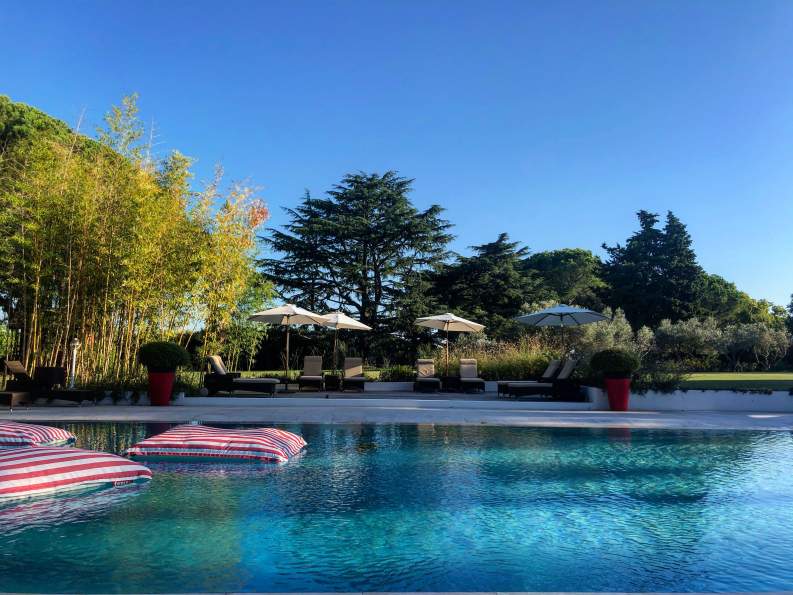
[570,276]
[354,248]
[723,301]
[681,276]
[790,315]
[110,248]
[491,286]
[299,267]
[655,275]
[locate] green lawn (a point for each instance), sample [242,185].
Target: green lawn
[739,381]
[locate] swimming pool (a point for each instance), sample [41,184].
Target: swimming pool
[426,508]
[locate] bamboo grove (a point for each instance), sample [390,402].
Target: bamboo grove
[103,242]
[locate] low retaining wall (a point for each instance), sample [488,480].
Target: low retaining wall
[393,402]
[702,400]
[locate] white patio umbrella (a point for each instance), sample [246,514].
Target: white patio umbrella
[449,322]
[339,320]
[561,315]
[287,316]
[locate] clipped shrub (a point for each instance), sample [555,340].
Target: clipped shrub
[614,363]
[397,374]
[163,356]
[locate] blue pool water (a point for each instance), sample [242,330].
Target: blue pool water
[426,508]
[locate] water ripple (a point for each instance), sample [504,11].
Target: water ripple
[422,508]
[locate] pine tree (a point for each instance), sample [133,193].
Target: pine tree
[490,287]
[355,248]
[655,276]
[682,277]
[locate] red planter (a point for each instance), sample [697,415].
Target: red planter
[619,392]
[160,387]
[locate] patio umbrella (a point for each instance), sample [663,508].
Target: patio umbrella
[339,320]
[287,316]
[449,322]
[561,315]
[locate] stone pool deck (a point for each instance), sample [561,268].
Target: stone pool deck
[447,410]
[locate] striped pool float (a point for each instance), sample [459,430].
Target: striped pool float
[199,442]
[40,470]
[16,435]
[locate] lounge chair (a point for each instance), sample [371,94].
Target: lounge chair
[425,377]
[353,374]
[550,371]
[220,379]
[12,398]
[47,382]
[560,387]
[469,377]
[312,373]
[20,380]
[19,388]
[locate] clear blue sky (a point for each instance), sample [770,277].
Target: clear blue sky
[552,121]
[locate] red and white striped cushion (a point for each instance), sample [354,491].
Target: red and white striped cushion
[16,435]
[42,470]
[258,444]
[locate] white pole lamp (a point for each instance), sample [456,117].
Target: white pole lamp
[74,346]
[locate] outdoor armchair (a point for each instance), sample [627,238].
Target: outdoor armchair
[425,376]
[469,376]
[312,373]
[353,374]
[220,379]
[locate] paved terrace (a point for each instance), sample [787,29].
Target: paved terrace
[447,409]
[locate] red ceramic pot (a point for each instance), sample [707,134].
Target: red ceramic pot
[160,387]
[619,392]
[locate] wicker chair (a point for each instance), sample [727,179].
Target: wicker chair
[220,379]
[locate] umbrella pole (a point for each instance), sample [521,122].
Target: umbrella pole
[447,350]
[335,352]
[286,366]
[564,341]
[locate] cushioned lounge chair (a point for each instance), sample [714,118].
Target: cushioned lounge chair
[22,388]
[312,373]
[425,377]
[469,376]
[546,376]
[559,387]
[13,398]
[353,374]
[220,379]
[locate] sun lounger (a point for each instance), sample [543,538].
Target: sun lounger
[353,374]
[312,373]
[425,377]
[220,379]
[469,376]
[14,398]
[558,387]
[550,371]
[22,388]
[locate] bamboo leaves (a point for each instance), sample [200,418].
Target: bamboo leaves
[98,243]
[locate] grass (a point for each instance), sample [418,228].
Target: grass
[739,381]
